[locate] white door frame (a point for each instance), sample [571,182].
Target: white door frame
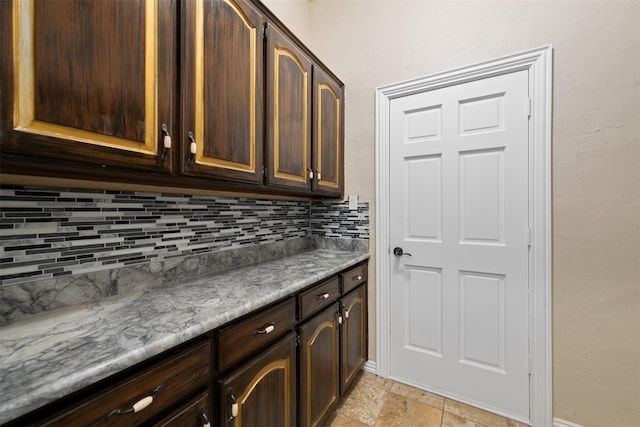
[539,64]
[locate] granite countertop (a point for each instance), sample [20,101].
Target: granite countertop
[49,355]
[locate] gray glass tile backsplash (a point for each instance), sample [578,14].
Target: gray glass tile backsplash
[49,233]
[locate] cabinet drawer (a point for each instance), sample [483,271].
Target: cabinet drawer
[352,278]
[166,382]
[241,338]
[317,297]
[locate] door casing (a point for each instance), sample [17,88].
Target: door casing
[539,64]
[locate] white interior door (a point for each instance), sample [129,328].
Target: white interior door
[459,205]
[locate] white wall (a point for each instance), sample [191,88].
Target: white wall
[596,156]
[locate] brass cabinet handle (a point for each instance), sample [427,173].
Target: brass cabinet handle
[139,405]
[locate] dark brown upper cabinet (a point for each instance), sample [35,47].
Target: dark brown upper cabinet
[328,133]
[289,117]
[88,82]
[305,112]
[213,94]
[223,90]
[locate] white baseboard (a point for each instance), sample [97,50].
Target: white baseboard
[557,422]
[370,367]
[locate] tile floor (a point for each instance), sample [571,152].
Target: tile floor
[374,401]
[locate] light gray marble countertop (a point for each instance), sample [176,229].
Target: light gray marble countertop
[49,355]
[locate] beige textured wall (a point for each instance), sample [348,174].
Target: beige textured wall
[295,14]
[596,156]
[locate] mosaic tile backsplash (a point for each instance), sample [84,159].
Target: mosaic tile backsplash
[60,247]
[48,233]
[338,221]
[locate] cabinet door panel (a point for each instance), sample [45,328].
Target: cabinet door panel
[196,413]
[263,389]
[328,130]
[224,98]
[319,366]
[94,86]
[353,335]
[288,113]
[80,81]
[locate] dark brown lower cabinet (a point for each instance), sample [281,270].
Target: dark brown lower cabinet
[262,391]
[353,335]
[319,388]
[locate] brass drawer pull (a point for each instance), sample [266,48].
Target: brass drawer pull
[265,329]
[139,405]
[322,296]
[356,277]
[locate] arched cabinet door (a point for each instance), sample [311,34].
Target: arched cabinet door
[319,368]
[262,389]
[88,82]
[222,83]
[288,141]
[353,335]
[328,133]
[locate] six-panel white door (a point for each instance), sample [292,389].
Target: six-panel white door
[459,206]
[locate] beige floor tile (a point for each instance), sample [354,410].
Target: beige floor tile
[417,394]
[474,414]
[513,423]
[452,420]
[364,401]
[375,381]
[404,411]
[341,421]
